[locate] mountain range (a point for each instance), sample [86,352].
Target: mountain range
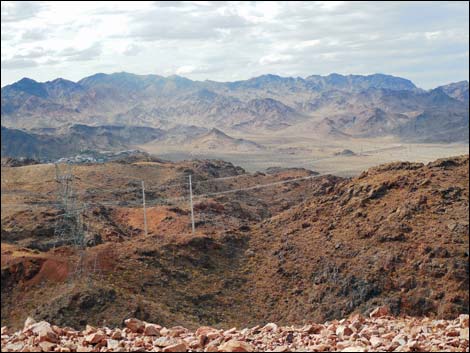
[334,105]
[54,143]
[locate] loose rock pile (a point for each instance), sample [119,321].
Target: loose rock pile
[379,332]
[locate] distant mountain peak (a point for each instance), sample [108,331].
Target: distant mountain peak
[457,90]
[26,80]
[216,132]
[29,86]
[61,80]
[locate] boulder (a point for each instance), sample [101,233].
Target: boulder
[380,312]
[152,330]
[235,346]
[116,335]
[89,329]
[47,346]
[270,327]
[179,347]
[313,329]
[29,321]
[95,338]
[343,331]
[463,320]
[13,347]
[112,344]
[376,341]
[464,333]
[204,330]
[44,331]
[135,325]
[354,349]
[166,341]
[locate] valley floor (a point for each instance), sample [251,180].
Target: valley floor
[323,156]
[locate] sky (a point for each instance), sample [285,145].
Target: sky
[426,42]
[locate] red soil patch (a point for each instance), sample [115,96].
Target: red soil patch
[160,220]
[51,270]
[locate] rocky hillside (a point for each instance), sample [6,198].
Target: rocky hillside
[54,143]
[218,140]
[314,248]
[361,106]
[457,90]
[380,332]
[396,235]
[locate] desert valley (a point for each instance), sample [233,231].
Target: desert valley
[198,177]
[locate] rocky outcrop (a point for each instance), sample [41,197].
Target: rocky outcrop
[356,333]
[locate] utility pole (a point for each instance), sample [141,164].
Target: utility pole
[145,209]
[191,204]
[67,226]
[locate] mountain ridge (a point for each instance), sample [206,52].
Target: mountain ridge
[261,104]
[263,76]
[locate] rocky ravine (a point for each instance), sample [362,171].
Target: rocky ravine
[380,332]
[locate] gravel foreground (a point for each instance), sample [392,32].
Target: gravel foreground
[377,333]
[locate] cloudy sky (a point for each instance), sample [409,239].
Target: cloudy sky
[427,42]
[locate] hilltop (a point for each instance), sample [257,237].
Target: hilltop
[218,140]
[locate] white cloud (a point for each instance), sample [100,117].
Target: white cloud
[307,44]
[432,35]
[235,40]
[15,11]
[132,50]
[191,69]
[275,58]
[184,70]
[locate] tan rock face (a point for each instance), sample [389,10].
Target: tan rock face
[463,320]
[135,325]
[354,349]
[112,344]
[235,346]
[47,346]
[379,312]
[29,321]
[165,341]
[343,331]
[95,338]
[313,329]
[464,333]
[270,327]
[116,335]
[179,347]
[376,341]
[204,330]
[44,331]
[152,330]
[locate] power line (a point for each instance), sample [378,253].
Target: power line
[162,187]
[200,196]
